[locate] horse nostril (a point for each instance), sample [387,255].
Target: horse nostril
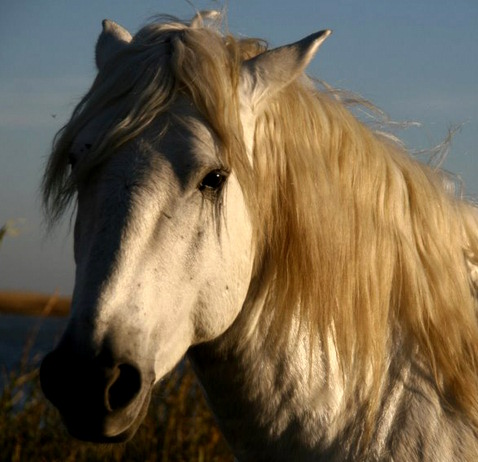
[82,388]
[123,388]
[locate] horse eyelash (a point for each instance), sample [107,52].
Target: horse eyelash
[213,181]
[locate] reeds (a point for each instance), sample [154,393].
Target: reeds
[178,427]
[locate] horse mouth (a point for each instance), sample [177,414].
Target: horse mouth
[116,427]
[98,403]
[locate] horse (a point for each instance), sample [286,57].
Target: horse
[229,208]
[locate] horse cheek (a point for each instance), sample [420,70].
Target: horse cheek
[225,288]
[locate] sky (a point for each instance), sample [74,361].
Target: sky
[416,60]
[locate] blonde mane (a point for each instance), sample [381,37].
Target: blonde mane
[356,237]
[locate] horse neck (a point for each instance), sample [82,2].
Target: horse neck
[268,400]
[276,403]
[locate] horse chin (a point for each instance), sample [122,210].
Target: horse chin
[116,427]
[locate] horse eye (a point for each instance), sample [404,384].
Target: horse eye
[213,181]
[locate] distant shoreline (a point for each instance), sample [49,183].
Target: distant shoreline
[33,304]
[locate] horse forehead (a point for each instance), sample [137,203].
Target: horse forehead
[181,136]
[188,142]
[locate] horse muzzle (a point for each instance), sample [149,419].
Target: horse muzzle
[100,400]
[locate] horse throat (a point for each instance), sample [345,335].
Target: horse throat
[268,399]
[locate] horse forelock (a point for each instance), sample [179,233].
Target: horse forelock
[353,235]
[162,63]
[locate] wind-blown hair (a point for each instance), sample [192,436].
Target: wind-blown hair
[356,238]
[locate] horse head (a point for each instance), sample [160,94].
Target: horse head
[164,240]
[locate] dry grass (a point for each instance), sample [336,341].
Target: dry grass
[178,427]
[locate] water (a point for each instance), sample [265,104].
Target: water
[17,332]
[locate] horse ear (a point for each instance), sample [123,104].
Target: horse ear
[113,38]
[269,72]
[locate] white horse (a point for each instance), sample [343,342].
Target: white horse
[320,280]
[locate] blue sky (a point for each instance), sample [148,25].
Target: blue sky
[417,60]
